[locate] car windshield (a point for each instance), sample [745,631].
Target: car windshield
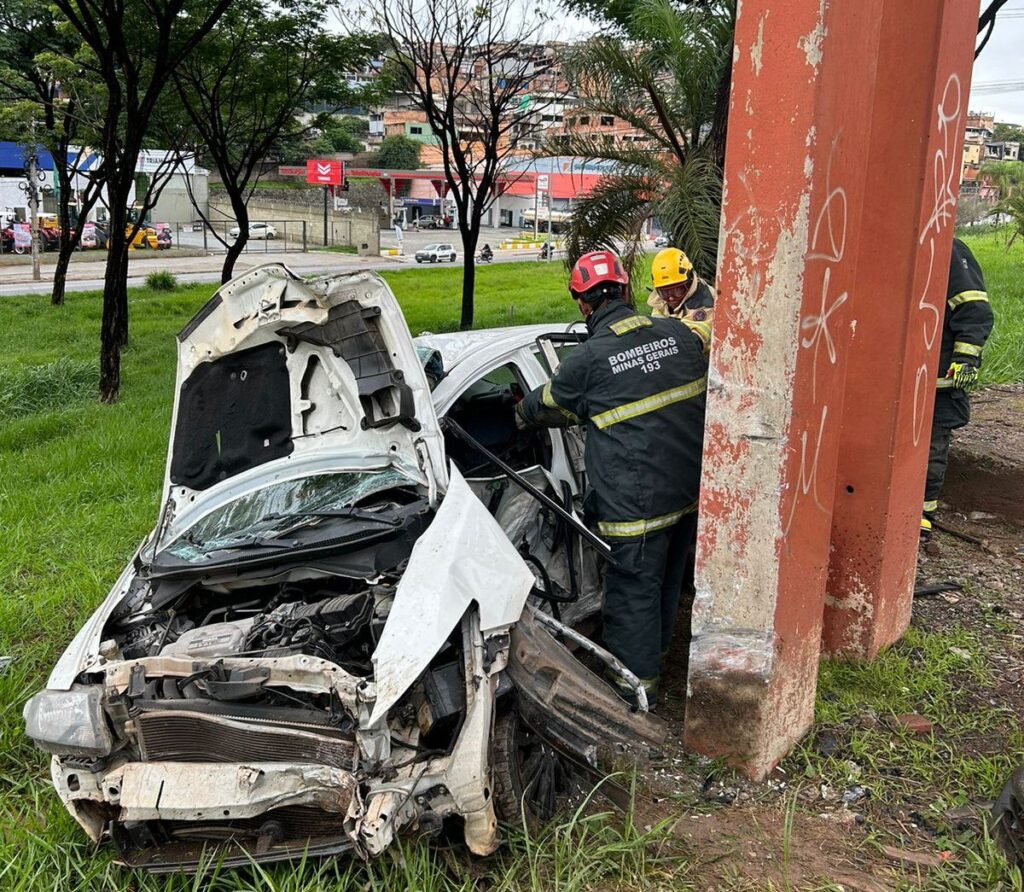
[262,515]
[431,247]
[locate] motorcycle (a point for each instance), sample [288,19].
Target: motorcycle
[545,251]
[485,257]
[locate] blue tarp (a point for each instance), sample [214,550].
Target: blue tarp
[12,159]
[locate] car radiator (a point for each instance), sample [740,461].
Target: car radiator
[184,736]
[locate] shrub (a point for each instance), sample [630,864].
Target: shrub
[161,280]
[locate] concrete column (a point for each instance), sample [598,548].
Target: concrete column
[803,86]
[917,132]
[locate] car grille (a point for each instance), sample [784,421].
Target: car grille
[182,736]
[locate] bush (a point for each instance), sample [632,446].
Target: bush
[161,280]
[53,387]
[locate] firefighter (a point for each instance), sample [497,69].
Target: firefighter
[679,291]
[638,384]
[967,325]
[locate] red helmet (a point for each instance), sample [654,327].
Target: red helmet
[594,269]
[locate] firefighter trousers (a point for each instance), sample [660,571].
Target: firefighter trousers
[642,593]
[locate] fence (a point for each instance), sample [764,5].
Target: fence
[265,236]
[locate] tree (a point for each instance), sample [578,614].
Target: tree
[665,85]
[481,78]
[42,94]
[245,83]
[133,51]
[1008,133]
[398,153]
[340,139]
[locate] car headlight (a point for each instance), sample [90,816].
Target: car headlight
[71,722]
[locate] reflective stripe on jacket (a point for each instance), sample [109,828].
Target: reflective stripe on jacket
[638,384]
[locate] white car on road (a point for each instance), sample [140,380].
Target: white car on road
[344,626]
[256,231]
[436,253]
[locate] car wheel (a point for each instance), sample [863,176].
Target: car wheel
[532,780]
[270,236]
[1008,818]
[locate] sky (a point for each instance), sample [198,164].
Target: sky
[1003,60]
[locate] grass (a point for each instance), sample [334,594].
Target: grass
[1004,279]
[79,484]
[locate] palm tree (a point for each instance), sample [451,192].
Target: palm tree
[670,81]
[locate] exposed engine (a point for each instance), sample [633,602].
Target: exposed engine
[334,619]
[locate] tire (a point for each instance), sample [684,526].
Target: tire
[1008,818]
[271,236]
[419,260]
[531,780]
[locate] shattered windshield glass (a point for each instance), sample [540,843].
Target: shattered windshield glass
[279,507]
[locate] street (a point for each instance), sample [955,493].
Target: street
[87,274]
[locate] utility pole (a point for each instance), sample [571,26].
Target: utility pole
[33,206]
[536,211]
[326,190]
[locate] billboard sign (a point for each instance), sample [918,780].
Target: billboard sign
[22,235]
[542,183]
[325,173]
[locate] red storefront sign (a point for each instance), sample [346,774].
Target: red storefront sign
[325,173]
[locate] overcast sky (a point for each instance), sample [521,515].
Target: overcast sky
[1003,60]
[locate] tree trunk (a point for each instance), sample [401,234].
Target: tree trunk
[235,249]
[470,236]
[60,272]
[69,240]
[114,327]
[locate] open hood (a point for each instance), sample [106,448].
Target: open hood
[281,378]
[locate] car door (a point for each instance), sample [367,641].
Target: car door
[484,405]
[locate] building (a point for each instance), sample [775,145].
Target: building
[1002,151]
[173,206]
[979,147]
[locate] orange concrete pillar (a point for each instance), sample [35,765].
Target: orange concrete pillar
[925,60]
[796,162]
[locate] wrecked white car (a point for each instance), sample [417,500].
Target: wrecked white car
[333,635]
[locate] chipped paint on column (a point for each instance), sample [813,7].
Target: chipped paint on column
[749,431]
[784,320]
[882,462]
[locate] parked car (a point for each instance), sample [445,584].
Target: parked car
[436,253]
[663,241]
[342,626]
[429,221]
[256,231]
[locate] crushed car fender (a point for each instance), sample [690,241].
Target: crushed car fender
[462,558]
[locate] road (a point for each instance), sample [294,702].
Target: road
[87,274]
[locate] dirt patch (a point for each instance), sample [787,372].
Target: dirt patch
[986,468]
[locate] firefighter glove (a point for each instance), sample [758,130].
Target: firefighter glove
[964,372]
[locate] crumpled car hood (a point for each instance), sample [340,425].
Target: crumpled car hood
[280,377]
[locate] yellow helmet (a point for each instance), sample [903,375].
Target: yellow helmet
[670,267]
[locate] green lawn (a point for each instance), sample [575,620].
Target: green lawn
[1004,278]
[79,484]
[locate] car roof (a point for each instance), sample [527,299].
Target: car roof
[456,346]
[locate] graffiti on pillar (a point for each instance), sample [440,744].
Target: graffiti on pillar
[828,245]
[945,173]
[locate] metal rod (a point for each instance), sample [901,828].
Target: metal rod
[541,497]
[597,651]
